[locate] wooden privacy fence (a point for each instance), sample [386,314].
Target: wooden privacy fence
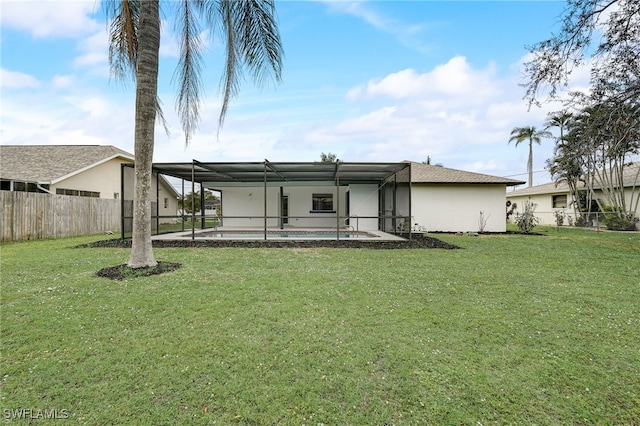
[31,216]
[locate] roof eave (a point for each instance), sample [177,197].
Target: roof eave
[90,166]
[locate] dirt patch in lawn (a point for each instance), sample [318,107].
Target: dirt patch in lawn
[121,272]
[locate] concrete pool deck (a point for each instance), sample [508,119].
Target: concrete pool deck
[223,233]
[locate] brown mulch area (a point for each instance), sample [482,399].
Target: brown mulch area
[121,272]
[417,242]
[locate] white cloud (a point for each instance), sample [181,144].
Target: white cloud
[95,50]
[458,115]
[50,18]
[456,80]
[406,33]
[63,81]
[18,80]
[68,115]
[168,43]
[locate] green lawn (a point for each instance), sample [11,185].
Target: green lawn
[509,330]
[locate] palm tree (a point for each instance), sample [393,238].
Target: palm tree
[248,28]
[520,134]
[329,157]
[560,119]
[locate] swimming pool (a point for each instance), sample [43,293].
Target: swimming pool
[282,234]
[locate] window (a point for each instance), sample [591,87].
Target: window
[559,201]
[116,195]
[7,185]
[166,203]
[322,203]
[77,193]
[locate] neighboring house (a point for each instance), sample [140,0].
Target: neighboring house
[363,196]
[76,170]
[553,197]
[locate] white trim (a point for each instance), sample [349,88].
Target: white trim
[44,189]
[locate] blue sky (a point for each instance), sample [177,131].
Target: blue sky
[366,80]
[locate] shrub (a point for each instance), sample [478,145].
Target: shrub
[583,221]
[616,220]
[559,215]
[511,209]
[526,220]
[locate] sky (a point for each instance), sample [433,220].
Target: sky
[366,80]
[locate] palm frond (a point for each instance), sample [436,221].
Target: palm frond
[230,78]
[189,68]
[259,40]
[252,40]
[123,18]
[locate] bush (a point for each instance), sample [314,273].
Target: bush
[526,220]
[559,215]
[616,220]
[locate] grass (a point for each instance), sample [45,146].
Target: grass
[510,330]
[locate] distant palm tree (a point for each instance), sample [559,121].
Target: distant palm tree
[329,157]
[560,119]
[520,134]
[249,32]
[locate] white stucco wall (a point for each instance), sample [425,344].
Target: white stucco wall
[363,207]
[456,208]
[104,178]
[249,201]
[544,210]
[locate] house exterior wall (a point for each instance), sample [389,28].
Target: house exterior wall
[363,201]
[171,206]
[103,178]
[545,212]
[249,203]
[456,208]
[437,207]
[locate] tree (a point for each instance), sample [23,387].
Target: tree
[561,120]
[608,135]
[187,202]
[564,166]
[520,134]
[428,162]
[250,33]
[328,157]
[606,32]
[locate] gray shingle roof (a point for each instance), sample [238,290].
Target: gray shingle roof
[427,173]
[630,176]
[547,188]
[47,163]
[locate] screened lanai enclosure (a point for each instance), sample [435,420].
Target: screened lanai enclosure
[266,199]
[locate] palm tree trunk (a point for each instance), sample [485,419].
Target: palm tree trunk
[146,95]
[530,163]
